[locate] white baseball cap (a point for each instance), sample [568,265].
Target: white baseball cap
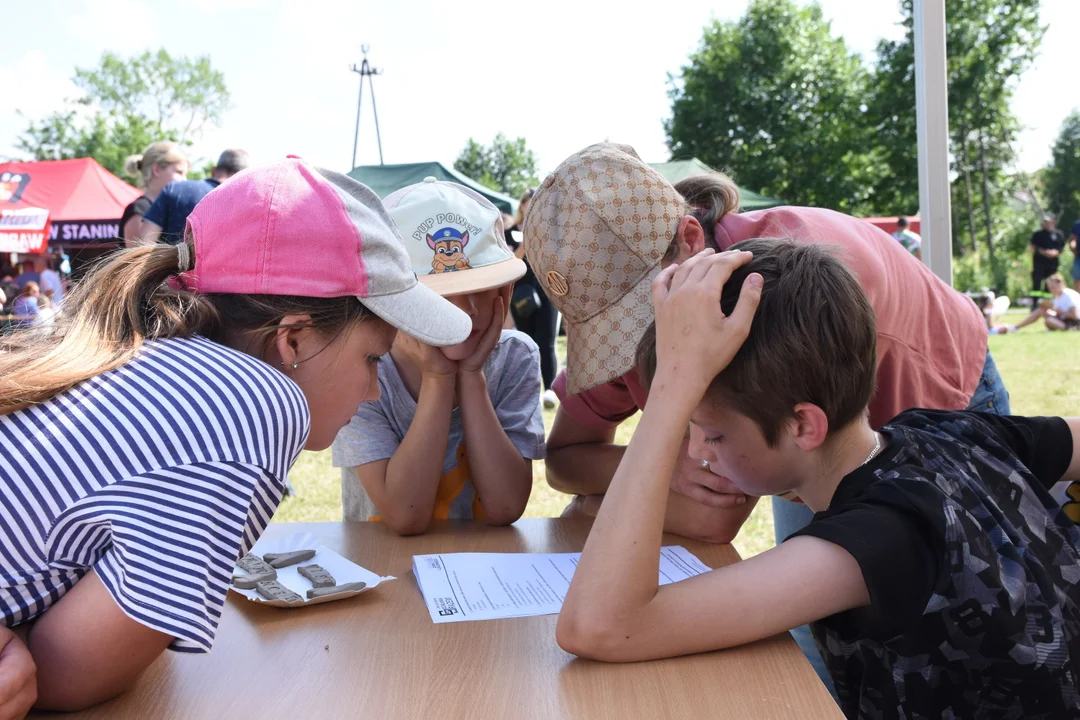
[454,237]
[288,228]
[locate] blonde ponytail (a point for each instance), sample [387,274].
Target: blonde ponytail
[119,306]
[160,154]
[133,168]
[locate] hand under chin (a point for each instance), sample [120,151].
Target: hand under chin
[461,351]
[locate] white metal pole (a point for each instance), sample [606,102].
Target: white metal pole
[932,117]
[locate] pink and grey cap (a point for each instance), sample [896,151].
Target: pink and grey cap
[288,228]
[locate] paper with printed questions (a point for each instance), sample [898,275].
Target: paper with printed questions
[487,586]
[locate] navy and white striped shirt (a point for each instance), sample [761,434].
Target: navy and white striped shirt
[157,475]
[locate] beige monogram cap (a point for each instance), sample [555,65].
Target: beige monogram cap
[595,233]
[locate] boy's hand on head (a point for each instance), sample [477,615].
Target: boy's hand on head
[695,341]
[18,677]
[475,362]
[431,360]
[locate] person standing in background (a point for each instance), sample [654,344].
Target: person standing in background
[160,164]
[167,217]
[1046,247]
[1074,238]
[911,240]
[52,285]
[31,273]
[534,314]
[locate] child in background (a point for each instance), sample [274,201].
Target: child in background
[456,429]
[938,574]
[27,307]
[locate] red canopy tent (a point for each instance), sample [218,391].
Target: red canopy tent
[84,200]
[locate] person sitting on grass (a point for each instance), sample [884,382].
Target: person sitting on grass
[456,429]
[1061,313]
[938,574]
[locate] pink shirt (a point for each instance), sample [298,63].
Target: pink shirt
[931,339]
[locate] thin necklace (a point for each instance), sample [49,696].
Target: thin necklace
[877,446]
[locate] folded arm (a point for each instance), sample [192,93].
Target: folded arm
[404,487]
[87,650]
[501,475]
[616,611]
[581,460]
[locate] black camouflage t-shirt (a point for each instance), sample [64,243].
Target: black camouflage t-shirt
[972,570]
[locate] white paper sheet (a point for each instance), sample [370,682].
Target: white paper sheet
[344,571]
[486,586]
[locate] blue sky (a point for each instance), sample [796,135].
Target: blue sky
[562,74]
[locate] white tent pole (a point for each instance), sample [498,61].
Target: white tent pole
[932,117]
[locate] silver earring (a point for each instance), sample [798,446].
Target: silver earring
[294,366]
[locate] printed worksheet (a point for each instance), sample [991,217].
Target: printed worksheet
[486,586]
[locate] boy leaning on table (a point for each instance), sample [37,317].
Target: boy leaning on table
[456,429]
[939,575]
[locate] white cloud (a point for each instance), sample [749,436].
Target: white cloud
[131,21]
[213,7]
[32,87]
[562,74]
[1046,93]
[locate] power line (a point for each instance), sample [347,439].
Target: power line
[365,70]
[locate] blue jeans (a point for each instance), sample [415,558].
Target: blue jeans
[788,517]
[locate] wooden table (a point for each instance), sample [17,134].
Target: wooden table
[380,656]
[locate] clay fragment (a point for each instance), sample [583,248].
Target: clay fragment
[247,582]
[280,560]
[273,590]
[253,564]
[318,576]
[337,589]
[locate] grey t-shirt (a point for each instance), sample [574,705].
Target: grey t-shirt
[377,429]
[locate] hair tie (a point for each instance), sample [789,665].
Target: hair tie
[183,257]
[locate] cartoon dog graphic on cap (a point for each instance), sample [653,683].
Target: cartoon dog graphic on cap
[449,246]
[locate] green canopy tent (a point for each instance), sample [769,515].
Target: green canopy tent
[385,179]
[677,170]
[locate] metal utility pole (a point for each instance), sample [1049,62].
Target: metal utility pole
[932,120]
[365,70]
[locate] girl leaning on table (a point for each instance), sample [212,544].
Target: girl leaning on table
[145,440]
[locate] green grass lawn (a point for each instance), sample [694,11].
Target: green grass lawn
[1040,369]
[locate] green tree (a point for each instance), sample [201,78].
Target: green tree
[776,100]
[1062,177]
[507,166]
[128,104]
[989,44]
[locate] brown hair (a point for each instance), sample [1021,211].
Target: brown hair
[709,198]
[813,339]
[519,215]
[161,154]
[1057,277]
[126,301]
